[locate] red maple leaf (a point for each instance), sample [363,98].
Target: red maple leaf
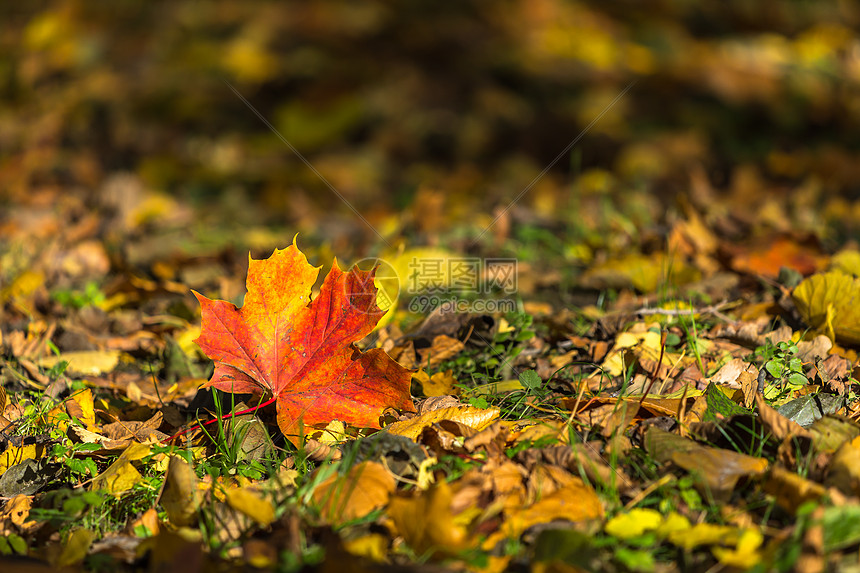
[303,351]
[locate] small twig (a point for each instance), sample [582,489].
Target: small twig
[656,368]
[714,309]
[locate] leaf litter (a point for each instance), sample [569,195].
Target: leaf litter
[676,388]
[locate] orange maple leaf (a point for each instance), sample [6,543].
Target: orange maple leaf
[303,351]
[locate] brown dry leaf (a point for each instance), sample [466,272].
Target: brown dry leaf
[575,502]
[730,373]
[718,469]
[366,487]
[791,490]
[443,348]
[545,479]
[16,511]
[477,418]
[616,414]
[777,424]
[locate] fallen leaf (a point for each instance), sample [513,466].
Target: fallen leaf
[427,523]
[251,504]
[477,418]
[831,301]
[303,351]
[718,469]
[844,471]
[633,523]
[179,495]
[121,475]
[439,384]
[777,424]
[365,488]
[85,362]
[791,490]
[575,502]
[76,547]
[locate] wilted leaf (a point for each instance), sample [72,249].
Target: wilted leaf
[439,384]
[427,522]
[15,455]
[830,432]
[27,477]
[719,403]
[574,502]
[302,351]
[778,425]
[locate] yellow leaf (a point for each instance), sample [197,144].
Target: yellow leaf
[704,534]
[477,418]
[427,523]
[633,523]
[366,487]
[672,523]
[15,455]
[372,546]
[847,261]
[121,476]
[179,498]
[831,300]
[440,384]
[76,548]
[251,504]
[746,555]
[574,502]
[844,472]
[85,362]
[791,490]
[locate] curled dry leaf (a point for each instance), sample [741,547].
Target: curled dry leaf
[477,418]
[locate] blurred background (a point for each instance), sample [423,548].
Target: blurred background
[118,125]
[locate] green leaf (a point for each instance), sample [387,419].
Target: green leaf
[530,380]
[635,560]
[841,526]
[774,368]
[719,403]
[797,379]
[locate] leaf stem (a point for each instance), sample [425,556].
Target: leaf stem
[231,415]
